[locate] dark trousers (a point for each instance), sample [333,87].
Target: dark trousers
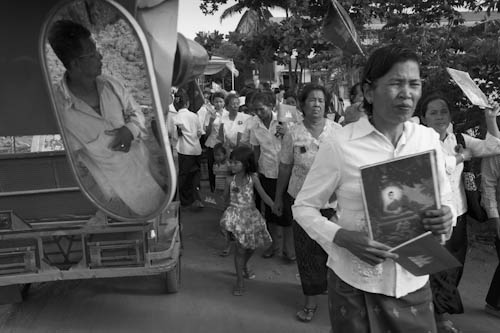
[493,297]
[444,284]
[269,186]
[311,258]
[210,164]
[189,178]
[311,262]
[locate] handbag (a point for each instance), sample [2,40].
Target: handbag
[471,181]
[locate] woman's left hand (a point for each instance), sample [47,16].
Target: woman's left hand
[493,111]
[280,131]
[439,221]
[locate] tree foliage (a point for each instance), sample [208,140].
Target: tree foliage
[209,40]
[210,7]
[416,23]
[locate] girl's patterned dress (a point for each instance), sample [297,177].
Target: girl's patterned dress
[243,219]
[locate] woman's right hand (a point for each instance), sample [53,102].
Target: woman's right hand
[278,206]
[366,249]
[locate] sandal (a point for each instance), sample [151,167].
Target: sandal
[238,290]
[306,314]
[447,326]
[248,274]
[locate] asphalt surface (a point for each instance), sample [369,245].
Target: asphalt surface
[205,302]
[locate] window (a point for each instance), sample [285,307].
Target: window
[30,144]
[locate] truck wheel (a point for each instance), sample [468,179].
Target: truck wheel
[25,291]
[173,278]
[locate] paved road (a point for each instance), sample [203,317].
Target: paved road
[205,303]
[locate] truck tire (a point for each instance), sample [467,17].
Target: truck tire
[173,278]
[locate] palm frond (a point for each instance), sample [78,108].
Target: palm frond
[237,8]
[253,21]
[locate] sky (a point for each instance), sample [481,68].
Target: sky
[191,20]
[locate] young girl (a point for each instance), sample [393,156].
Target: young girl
[222,171]
[241,218]
[221,168]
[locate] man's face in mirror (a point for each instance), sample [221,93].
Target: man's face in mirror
[89,62]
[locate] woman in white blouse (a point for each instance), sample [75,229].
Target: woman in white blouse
[367,290]
[434,110]
[234,122]
[298,149]
[214,132]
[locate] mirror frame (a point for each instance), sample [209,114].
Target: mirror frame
[156,103]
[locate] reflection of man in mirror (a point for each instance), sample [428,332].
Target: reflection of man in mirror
[104,126]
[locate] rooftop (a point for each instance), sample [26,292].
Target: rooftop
[470,19]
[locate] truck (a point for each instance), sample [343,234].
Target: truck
[52,226]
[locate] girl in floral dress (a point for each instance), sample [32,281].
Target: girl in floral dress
[241,218]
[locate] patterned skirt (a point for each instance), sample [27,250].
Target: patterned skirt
[247,226]
[354,310]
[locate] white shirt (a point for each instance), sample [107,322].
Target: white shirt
[249,125]
[270,146]
[233,127]
[202,115]
[336,168]
[171,130]
[299,148]
[119,175]
[212,138]
[479,148]
[490,174]
[189,142]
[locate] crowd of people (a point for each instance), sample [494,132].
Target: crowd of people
[288,169]
[298,182]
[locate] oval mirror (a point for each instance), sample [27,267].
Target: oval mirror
[99,73]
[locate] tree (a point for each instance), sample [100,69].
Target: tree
[292,41]
[217,45]
[416,23]
[210,7]
[210,41]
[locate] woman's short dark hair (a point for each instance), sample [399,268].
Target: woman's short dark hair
[217,94]
[246,156]
[380,63]
[230,97]
[307,89]
[424,101]
[65,38]
[243,108]
[248,96]
[181,99]
[220,147]
[265,97]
